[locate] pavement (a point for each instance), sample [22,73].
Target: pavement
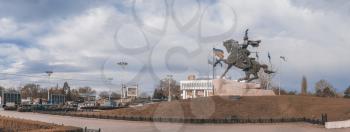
[107,125]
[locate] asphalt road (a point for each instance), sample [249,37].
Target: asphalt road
[136,126]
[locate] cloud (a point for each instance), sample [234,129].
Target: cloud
[78,39]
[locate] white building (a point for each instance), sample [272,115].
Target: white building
[130,91]
[196,88]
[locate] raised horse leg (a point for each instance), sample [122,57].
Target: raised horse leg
[228,68]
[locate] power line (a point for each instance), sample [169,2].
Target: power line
[55,78]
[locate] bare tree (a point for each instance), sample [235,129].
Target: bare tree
[347,93]
[1,89]
[162,90]
[30,90]
[324,89]
[144,95]
[86,90]
[276,90]
[105,95]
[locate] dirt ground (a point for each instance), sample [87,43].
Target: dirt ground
[246,107]
[15,124]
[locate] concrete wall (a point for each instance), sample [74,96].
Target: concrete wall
[338,124]
[224,87]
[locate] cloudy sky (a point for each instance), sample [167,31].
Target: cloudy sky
[82,41]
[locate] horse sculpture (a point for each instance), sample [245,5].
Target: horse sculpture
[239,57]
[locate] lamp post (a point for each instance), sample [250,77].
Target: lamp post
[49,73]
[169,77]
[123,65]
[282,59]
[110,92]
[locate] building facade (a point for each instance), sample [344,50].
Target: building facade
[196,88]
[57,99]
[11,97]
[130,91]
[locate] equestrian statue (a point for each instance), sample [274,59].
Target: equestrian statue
[239,57]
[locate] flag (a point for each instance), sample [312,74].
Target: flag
[283,58]
[219,53]
[216,61]
[269,56]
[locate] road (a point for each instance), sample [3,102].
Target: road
[137,126]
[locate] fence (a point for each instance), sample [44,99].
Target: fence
[91,130]
[196,120]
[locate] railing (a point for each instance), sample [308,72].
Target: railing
[91,130]
[232,119]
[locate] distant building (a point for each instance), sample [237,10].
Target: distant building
[88,97]
[192,88]
[87,100]
[27,101]
[12,97]
[130,91]
[57,99]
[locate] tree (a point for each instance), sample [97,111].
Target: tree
[303,86]
[292,93]
[158,94]
[115,95]
[1,90]
[283,91]
[67,91]
[162,90]
[347,93]
[324,89]
[74,95]
[30,90]
[86,90]
[144,95]
[105,95]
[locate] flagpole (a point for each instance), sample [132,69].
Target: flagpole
[212,82]
[282,59]
[279,82]
[213,63]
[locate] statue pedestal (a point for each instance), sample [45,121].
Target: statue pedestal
[224,87]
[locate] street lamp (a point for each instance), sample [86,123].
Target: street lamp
[49,73]
[123,65]
[110,92]
[169,77]
[283,59]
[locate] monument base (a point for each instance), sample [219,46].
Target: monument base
[224,87]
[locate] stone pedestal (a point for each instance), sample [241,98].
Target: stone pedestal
[224,87]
